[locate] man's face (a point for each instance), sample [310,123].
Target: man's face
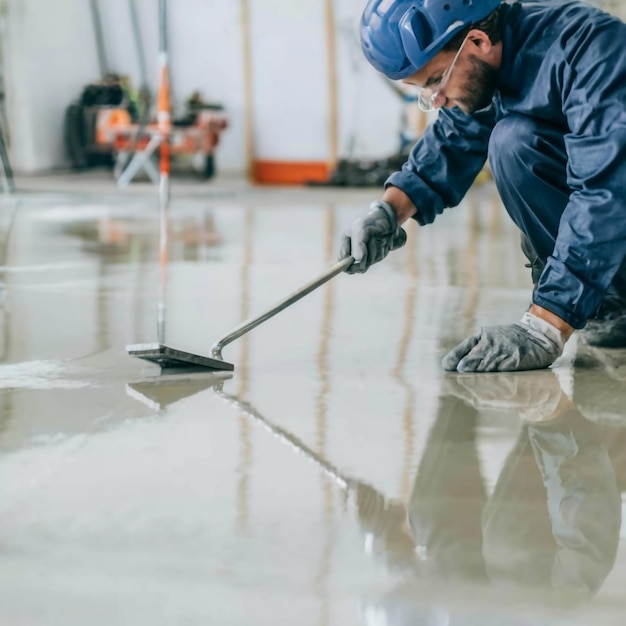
[480,86]
[466,79]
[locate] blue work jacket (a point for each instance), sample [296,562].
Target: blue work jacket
[564,63]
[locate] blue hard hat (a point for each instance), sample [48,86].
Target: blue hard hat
[399,37]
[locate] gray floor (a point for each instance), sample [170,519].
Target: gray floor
[339,476]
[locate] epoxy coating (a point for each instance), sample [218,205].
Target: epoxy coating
[339,476]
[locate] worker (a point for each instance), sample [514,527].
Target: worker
[538,88]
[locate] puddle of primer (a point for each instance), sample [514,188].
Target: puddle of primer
[38,375]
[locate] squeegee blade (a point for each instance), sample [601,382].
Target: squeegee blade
[170,358]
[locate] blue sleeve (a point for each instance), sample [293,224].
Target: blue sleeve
[445,161]
[591,243]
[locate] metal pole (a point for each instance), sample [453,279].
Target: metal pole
[163,26]
[97,26]
[164,123]
[141,57]
[144,89]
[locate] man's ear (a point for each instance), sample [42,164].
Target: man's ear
[480,39]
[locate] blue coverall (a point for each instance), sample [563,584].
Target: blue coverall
[555,136]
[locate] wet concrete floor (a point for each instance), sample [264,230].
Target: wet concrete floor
[339,476]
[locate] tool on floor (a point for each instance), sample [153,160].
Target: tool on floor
[166,356]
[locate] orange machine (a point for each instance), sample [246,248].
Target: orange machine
[202,137]
[114,128]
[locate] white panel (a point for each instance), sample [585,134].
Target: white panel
[369,111]
[50,56]
[207,55]
[290,79]
[121,50]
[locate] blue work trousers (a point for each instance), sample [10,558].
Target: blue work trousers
[529,164]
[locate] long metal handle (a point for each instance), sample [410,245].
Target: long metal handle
[248,325]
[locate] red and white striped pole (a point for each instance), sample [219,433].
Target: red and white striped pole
[165,126]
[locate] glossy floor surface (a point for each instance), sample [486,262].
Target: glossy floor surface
[339,477]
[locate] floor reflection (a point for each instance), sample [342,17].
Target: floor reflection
[431,498]
[163,391]
[547,533]
[550,525]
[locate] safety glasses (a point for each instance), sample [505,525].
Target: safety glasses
[427,95]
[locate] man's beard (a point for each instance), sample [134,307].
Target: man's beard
[480,87]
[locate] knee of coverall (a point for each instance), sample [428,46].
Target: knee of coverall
[529,165]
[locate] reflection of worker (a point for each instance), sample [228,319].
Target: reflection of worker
[557,478]
[431,533]
[571,545]
[438,531]
[540,89]
[599,391]
[448,497]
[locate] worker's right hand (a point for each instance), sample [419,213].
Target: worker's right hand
[369,239]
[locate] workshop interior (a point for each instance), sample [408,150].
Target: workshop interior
[313,312]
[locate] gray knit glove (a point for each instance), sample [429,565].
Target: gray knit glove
[530,344]
[369,239]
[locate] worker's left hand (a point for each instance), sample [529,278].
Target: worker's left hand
[530,344]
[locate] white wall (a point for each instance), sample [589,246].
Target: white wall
[290,87]
[51,54]
[369,112]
